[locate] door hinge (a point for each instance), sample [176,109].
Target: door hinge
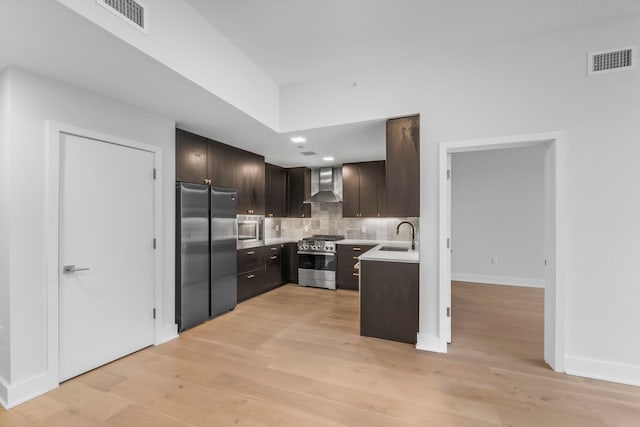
[154,173]
[448,311]
[448,173]
[154,313]
[154,243]
[448,243]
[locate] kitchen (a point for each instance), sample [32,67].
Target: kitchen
[299,225]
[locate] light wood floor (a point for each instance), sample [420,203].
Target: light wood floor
[293,357]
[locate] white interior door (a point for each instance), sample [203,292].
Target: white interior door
[447,328]
[106,227]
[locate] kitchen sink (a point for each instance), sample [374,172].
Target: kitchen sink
[394,248]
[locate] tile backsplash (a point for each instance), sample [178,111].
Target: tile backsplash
[326,218]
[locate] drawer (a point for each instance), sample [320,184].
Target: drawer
[272,250]
[347,279]
[348,255]
[250,259]
[250,284]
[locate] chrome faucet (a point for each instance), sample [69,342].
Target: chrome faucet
[413,233]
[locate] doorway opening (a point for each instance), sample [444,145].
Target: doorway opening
[553,294]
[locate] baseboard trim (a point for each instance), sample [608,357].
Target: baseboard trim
[602,370]
[498,280]
[19,393]
[167,333]
[427,342]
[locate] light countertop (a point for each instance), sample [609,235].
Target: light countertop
[375,254]
[371,242]
[279,241]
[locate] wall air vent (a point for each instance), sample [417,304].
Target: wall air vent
[130,11]
[612,60]
[308,153]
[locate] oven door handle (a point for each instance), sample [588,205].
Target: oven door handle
[316,253]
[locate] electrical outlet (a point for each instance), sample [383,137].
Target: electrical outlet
[277,227]
[306,228]
[363,229]
[494,260]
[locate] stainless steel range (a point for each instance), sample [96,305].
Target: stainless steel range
[317,261]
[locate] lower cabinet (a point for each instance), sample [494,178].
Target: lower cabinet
[260,269]
[290,262]
[273,266]
[347,276]
[250,284]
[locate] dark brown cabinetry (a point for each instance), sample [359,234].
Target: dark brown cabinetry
[290,262]
[191,157]
[299,189]
[251,275]
[389,300]
[364,189]
[273,266]
[403,167]
[248,179]
[275,185]
[347,276]
[220,164]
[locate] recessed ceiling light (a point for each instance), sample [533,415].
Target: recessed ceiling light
[298,139]
[328,159]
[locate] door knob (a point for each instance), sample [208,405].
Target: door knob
[68,269]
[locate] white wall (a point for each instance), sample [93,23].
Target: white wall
[34,100]
[184,41]
[528,85]
[4,231]
[497,211]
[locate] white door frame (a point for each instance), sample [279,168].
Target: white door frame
[554,317]
[52,232]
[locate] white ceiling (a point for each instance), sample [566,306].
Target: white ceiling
[293,40]
[300,40]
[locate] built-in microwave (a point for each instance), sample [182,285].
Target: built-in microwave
[250,230]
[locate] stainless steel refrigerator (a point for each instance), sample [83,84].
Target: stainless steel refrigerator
[206,241]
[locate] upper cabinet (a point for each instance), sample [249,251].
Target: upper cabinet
[364,189]
[298,190]
[204,161]
[403,167]
[275,186]
[191,157]
[248,179]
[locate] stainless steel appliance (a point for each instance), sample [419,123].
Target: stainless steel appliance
[205,253]
[250,231]
[317,261]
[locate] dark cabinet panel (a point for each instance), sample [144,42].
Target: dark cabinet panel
[220,164]
[363,188]
[350,190]
[290,262]
[347,276]
[250,259]
[248,179]
[403,167]
[273,266]
[382,188]
[250,284]
[389,300]
[191,157]
[369,189]
[275,191]
[299,189]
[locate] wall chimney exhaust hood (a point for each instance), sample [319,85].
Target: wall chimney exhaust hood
[326,193]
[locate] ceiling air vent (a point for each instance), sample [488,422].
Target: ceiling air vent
[612,60]
[130,11]
[308,153]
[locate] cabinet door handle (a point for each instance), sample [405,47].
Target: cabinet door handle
[356,274]
[274,249]
[354,257]
[251,276]
[356,249]
[251,252]
[274,257]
